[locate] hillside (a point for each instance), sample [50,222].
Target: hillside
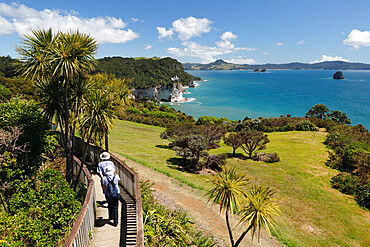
[146,72]
[222,65]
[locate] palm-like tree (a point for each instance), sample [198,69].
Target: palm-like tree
[58,57]
[228,191]
[260,211]
[98,116]
[257,207]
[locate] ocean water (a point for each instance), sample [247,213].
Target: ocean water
[237,94]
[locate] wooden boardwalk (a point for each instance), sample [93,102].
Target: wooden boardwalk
[104,233]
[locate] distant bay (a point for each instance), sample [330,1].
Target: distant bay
[237,94]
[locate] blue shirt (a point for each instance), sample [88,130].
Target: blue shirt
[102,165]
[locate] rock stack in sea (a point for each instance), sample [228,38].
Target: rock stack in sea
[338,75]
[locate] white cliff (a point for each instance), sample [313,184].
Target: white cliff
[168,93]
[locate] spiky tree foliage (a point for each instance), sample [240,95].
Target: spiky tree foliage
[60,58]
[258,209]
[98,116]
[228,191]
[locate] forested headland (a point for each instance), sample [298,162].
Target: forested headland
[144,72]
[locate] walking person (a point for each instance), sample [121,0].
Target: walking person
[112,192]
[104,156]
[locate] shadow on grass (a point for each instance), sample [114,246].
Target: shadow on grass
[163,146]
[177,164]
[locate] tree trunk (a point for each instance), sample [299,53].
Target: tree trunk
[68,151]
[229,228]
[242,236]
[106,142]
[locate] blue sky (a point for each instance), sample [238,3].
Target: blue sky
[253,32]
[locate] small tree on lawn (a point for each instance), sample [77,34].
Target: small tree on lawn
[257,207]
[252,141]
[213,133]
[191,148]
[233,140]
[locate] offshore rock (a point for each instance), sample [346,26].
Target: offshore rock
[167,93]
[338,75]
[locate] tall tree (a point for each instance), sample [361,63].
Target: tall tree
[320,111]
[60,57]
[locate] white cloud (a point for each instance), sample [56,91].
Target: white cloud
[326,58]
[227,36]
[22,19]
[301,42]
[147,47]
[357,38]
[163,33]
[186,28]
[279,43]
[206,53]
[240,60]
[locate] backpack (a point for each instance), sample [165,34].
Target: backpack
[111,192]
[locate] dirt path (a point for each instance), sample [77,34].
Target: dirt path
[174,194]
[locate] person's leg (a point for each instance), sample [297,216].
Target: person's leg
[115,211]
[110,209]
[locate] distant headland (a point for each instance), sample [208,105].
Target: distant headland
[222,65]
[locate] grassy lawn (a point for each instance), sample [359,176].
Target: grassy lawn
[313,214]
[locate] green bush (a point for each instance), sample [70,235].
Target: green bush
[40,212]
[345,183]
[363,195]
[134,110]
[306,125]
[34,126]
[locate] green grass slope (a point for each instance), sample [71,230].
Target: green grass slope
[313,214]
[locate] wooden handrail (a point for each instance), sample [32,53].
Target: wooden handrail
[129,181]
[82,228]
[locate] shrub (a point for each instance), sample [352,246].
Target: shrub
[215,162]
[40,211]
[306,125]
[27,116]
[363,195]
[345,183]
[267,157]
[134,110]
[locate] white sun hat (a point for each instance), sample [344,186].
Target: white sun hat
[104,156]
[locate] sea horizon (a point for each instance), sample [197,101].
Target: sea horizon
[237,94]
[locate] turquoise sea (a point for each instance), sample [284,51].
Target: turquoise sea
[237,94]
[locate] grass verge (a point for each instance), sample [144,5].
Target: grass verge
[313,214]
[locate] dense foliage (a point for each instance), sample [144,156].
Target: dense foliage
[8,67]
[350,154]
[37,207]
[154,114]
[40,211]
[191,142]
[165,227]
[34,130]
[19,86]
[146,72]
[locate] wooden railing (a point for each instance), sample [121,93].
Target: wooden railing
[129,180]
[83,227]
